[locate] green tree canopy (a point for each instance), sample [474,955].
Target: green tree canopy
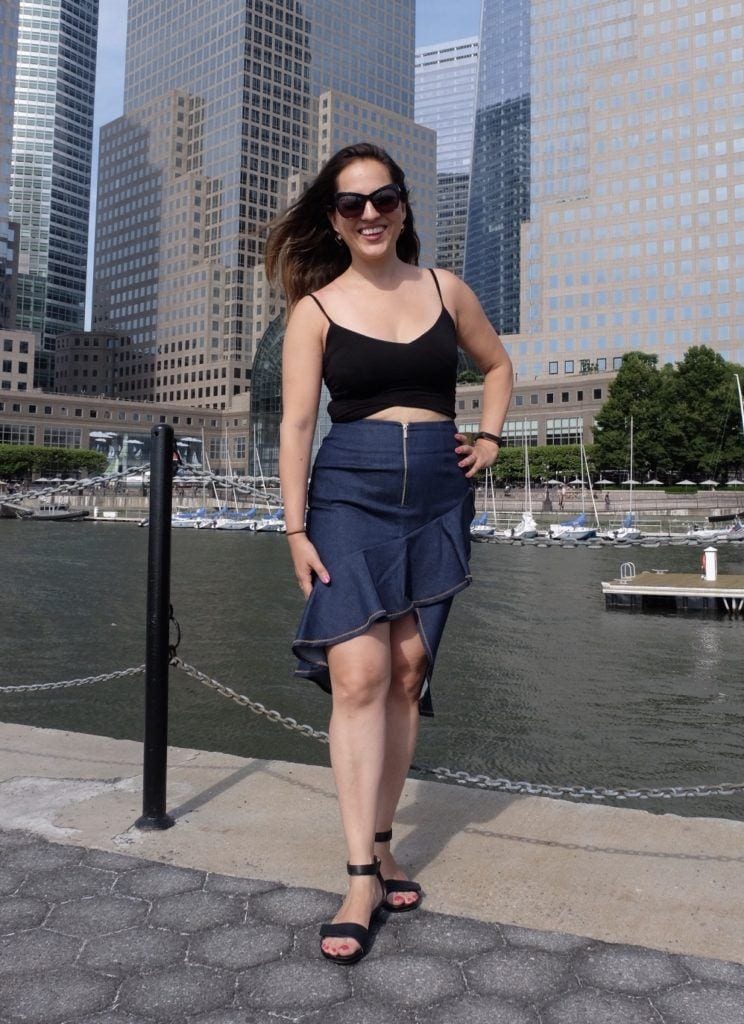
[23,461]
[685,417]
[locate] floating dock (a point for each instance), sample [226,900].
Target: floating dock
[685,592]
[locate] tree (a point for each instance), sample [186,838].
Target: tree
[637,391]
[704,424]
[22,461]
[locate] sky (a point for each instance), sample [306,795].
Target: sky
[437,21]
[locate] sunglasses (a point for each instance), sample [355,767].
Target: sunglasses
[352,204]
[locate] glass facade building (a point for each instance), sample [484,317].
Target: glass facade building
[446,77]
[500,174]
[8,47]
[51,166]
[220,122]
[636,227]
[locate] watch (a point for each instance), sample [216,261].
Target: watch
[490,437]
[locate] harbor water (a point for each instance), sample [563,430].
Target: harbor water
[535,679]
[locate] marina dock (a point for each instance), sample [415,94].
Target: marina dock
[686,592]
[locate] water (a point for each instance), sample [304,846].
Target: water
[535,679]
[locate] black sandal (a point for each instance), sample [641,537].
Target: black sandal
[349,930]
[397,884]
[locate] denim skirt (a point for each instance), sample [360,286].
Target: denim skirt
[389,511]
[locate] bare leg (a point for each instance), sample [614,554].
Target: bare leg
[408,664]
[360,679]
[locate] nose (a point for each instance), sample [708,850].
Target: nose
[369,212]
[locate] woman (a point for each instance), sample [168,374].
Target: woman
[390,503]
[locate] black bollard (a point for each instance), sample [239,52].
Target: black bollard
[157,655]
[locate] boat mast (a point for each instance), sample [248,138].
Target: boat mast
[741,401]
[527,485]
[630,483]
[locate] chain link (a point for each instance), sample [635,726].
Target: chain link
[85,484]
[85,681]
[460,778]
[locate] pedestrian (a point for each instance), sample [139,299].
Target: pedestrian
[386,542]
[607,501]
[561,497]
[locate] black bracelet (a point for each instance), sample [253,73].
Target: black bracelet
[490,437]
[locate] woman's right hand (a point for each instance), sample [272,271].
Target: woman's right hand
[306,563]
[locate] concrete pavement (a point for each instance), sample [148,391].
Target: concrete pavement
[537,911]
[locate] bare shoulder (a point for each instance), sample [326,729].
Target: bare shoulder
[306,321]
[458,296]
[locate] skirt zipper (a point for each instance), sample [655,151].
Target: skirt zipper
[405,463]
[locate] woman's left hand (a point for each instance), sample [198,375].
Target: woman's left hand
[474,457]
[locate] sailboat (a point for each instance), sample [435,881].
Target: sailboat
[577,528]
[628,530]
[479,527]
[234,518]
[526,528]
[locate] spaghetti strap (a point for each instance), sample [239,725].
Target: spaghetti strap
[320,307]
[439,290]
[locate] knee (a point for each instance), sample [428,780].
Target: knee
[407,677]
[356,689]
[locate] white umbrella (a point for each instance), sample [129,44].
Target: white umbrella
[655,483]
[576,481]
[709,483]
[686,483]
[634,482]
[554,483]
[735,483]
[603,481]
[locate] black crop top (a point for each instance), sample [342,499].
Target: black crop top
[366,375]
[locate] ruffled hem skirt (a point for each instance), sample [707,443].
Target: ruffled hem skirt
[389,513]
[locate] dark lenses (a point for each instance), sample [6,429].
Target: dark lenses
[352,204]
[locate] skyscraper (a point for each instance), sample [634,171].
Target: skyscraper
[635,234]
[446,78]
[51,166]
[8,47]
[222,121]
[500,174]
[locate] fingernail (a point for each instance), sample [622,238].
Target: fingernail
[326,578]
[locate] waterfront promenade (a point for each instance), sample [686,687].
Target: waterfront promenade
[538,911]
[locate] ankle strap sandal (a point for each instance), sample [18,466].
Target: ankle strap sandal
[398,884]
[350,930]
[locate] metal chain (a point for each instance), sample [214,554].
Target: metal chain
[253,705]
[86,483]
[460,778]
[463,778]
[86,681]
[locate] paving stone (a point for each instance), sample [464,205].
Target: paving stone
[236,1016]
[12,838]
[293,987]
[232,886]
[111,1017]
[591,1007]
[550,942]
[295,907]
[702,1004]
[628,969]
[240,946]
[18,912]
[175,992]
[480,1010]
[69,883]
[111,861]
[97,915]
[195,911]
[157,880]
[10,880]
[441,935]
[526,974]
[54,996]
[37,950]
[703,969]
[410,981]
[38,856]
[134,949]
[356,1011]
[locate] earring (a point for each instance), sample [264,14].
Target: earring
[338,239]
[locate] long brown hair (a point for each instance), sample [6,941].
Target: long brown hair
[301,250]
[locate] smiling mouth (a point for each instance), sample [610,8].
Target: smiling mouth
[372,232]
